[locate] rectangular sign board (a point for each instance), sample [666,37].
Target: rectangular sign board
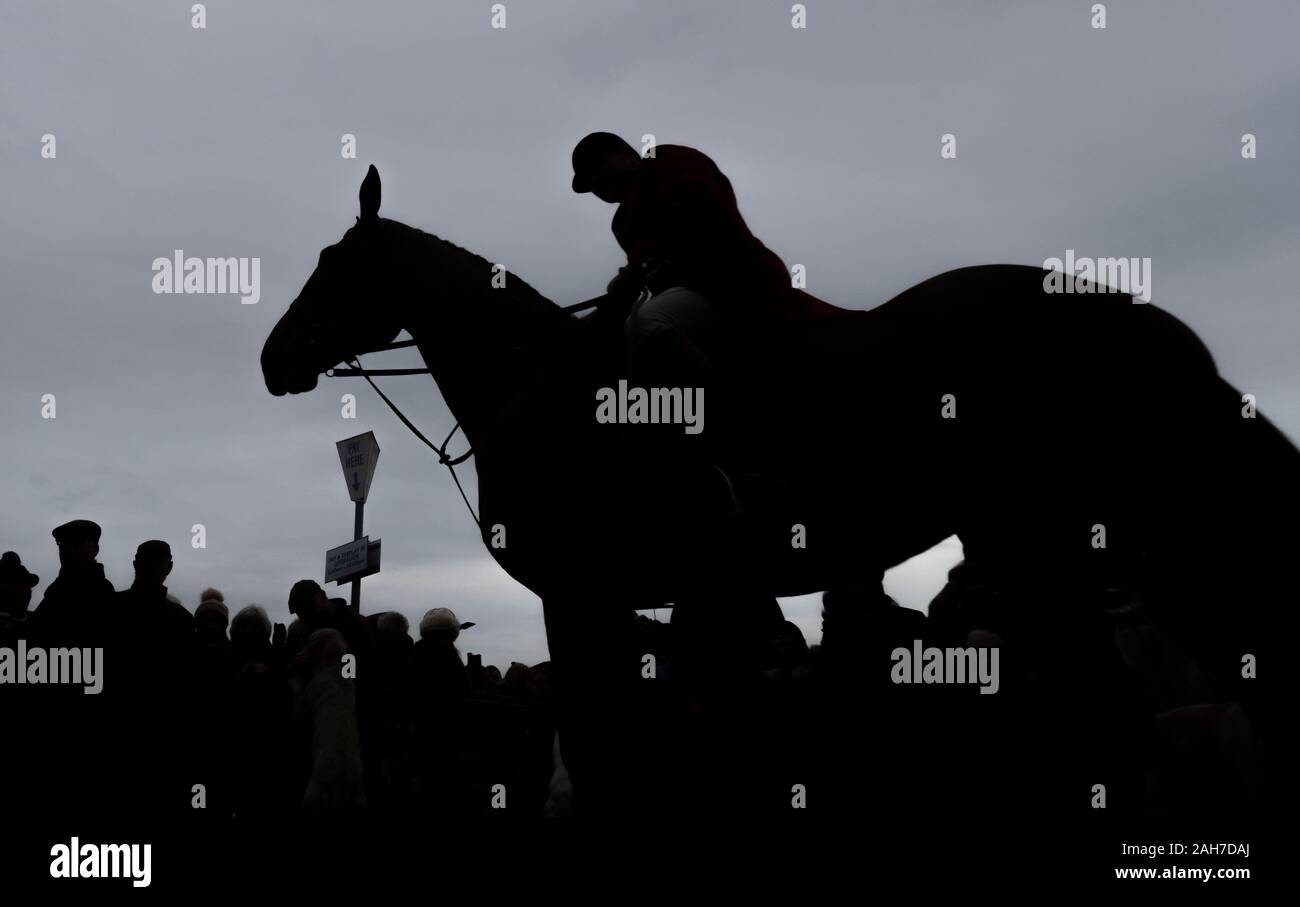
[352,561]
[358,456]
[346,560]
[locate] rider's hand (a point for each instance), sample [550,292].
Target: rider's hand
[625,283]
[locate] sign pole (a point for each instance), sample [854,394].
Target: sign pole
[360,557]
[356,535]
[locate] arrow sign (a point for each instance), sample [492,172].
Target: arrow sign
[358,456]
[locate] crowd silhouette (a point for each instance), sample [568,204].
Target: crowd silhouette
[725,709]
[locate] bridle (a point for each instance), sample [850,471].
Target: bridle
[441,450]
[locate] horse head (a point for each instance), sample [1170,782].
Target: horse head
[349,305]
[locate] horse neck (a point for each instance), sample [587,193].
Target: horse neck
[480,342]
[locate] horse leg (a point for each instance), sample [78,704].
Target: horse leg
[594,669]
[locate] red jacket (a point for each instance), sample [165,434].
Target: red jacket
[682,209]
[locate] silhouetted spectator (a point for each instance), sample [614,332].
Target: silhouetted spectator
[157,629]
[386,719]
[309,603]
[491,678]
[438,668]
[394,629]
[154,660]
[252,645]
[515,683]
[864,625]
[326,717]
[214,659]
[720,644]
[16,584]
[541,684]
[250,635]
[260,709]
[79,607]
[396,650]
[212,700]
[211,618]
[18,712]
[295,640]
[787,653]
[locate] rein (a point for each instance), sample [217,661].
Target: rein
[450,462]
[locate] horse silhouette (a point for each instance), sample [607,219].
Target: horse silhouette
[1072,442]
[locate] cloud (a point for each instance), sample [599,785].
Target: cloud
[226,142]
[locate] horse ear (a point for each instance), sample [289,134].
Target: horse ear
[370,195]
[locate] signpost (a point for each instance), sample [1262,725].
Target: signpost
[360,557]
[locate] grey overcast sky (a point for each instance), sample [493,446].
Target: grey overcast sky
[225,141]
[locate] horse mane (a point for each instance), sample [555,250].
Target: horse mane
[464,260]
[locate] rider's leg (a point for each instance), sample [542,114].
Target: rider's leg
[680,309]
[670,337]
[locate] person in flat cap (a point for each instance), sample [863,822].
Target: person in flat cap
[77,533]
[79,610]
[79,607]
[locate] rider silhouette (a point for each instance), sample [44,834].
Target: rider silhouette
[687,242]
[711,282]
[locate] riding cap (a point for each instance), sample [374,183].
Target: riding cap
[588,154]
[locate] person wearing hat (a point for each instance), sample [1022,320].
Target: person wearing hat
[155,661]
[212,616]
[157,626]
[686,241]
[442,621]
[79,607]
[16,584]
[437,666]
[714,288]
[79,610]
